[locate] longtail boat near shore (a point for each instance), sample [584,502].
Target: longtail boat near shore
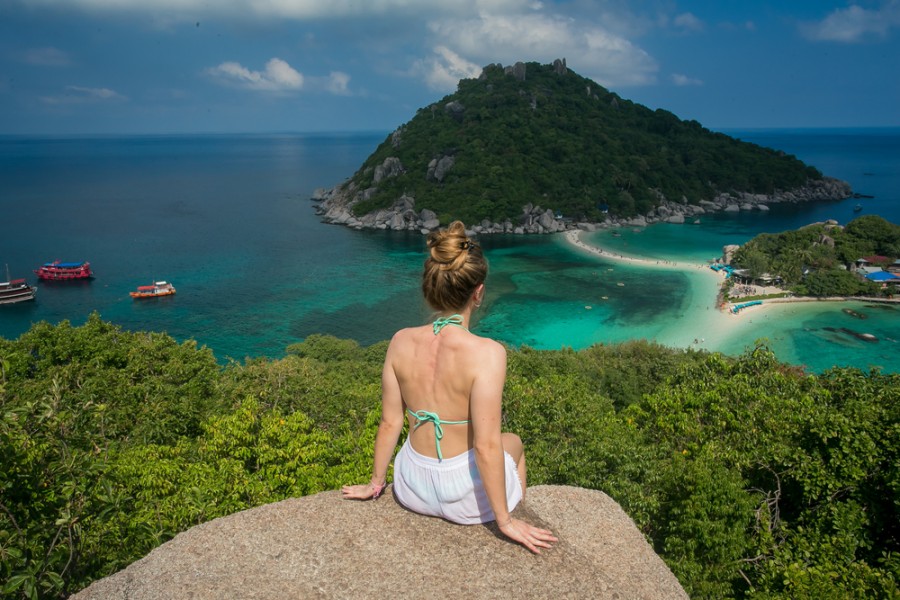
[64,271]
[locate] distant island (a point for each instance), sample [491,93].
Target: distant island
[533,148]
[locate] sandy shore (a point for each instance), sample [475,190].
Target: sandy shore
[793,327]
[703,324]
[574,238]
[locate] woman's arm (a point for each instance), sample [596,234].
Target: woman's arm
[389,429]
[486,400]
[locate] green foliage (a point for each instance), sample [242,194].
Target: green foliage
[816,457]
[837,282]
[113,442]
[751,478]
[563,142]
[875,235]
[140,386]
[813,259]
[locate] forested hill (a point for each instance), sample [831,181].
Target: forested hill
[544,135]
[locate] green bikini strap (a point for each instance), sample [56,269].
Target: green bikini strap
[442,322]
[426,416]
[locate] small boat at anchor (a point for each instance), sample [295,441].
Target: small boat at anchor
[157,290]
[64,271]
[15,290]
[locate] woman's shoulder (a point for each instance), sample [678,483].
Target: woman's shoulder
[408,334]
[487,347]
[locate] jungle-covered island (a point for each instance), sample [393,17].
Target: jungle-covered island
[826,259]
[534,148]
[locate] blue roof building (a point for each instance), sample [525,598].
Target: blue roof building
[883,277]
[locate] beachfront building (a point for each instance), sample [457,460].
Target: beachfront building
[868,270]
[895,268]
[872,261]
[885,279]
[743,276]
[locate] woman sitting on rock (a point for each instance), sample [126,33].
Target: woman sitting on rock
[455,464]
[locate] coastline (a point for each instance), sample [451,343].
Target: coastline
[710,332]
[703,325]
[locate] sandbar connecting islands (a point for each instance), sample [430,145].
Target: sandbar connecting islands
[710,324]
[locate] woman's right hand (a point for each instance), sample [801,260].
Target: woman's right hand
[529,536]
[362,492]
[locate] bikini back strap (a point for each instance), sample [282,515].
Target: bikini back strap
[424,416]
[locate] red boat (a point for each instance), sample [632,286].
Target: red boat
[57,270]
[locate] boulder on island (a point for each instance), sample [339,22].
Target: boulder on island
[323,547]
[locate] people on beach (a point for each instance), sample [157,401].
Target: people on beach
[456,463]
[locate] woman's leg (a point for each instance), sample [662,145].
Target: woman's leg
[512,444]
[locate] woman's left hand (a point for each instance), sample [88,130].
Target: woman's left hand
[361,492]
[533,538]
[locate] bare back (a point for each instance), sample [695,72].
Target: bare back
[455,374]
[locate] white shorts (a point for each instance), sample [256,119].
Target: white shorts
[450,488]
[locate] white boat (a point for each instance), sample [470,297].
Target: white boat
[15,290]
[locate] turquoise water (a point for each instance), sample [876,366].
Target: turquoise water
[819,336]
[548,296]
[227,219]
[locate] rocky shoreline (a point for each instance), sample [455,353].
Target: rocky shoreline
[335,206]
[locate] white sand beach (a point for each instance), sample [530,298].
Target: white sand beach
[702,324]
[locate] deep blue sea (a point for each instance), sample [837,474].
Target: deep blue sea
[227,219]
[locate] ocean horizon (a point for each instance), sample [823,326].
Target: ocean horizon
[227,219]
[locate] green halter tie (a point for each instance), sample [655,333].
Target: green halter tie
[425,416]
[442,322]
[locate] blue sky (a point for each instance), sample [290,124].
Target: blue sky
[182,66]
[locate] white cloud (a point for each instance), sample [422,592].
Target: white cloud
[76,94]
[443,71]
[278,76]
[589,48]
[46,57]
[854,23]
[286,9]
[688,22]
[683,80]
[336,83]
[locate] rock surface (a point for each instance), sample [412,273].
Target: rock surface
[323,547]
[336,205]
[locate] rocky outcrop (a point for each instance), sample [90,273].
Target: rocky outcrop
[336,205]
[438,168]
[456,110]
[324,547]
[559,66]
[517,71]
[391,167]
[728,253]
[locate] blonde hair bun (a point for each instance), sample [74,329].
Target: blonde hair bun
[454,268]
